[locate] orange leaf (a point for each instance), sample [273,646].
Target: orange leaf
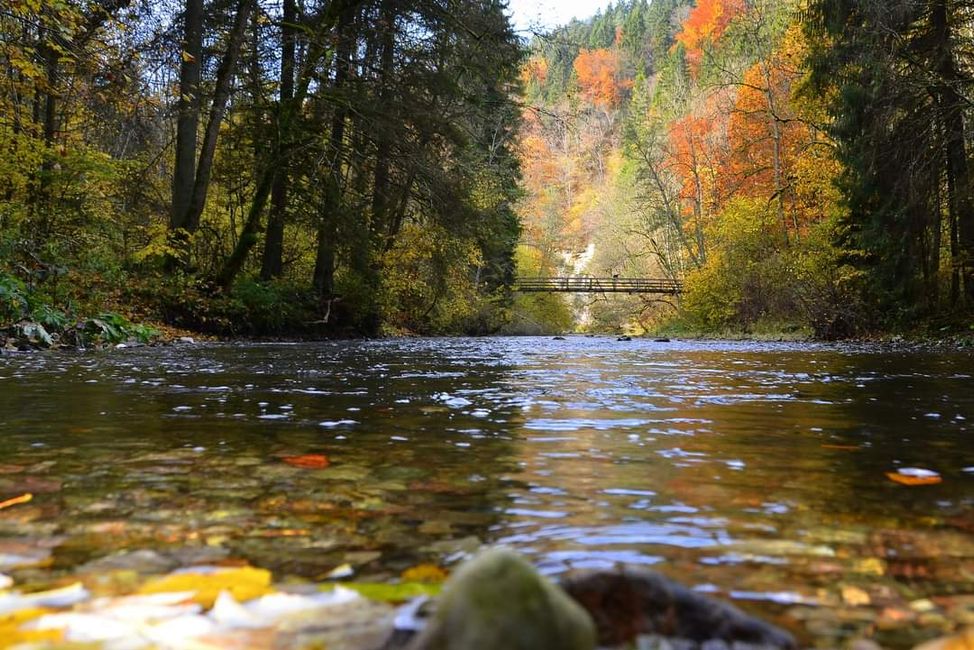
[23,498]
[906,479]
[308,461]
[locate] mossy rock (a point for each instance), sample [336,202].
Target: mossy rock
[498,600]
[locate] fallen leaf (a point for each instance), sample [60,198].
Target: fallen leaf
[308,461]
[206,583]
[428,573]
[341,571]
[23,498]
[914,476]
[855,596]
[11,632]
[386,593]
[62,597]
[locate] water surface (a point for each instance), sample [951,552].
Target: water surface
[756,472]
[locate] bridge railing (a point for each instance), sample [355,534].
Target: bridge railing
[581,284]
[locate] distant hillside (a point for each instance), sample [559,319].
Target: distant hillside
[667,139]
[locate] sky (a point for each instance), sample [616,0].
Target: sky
[551,13]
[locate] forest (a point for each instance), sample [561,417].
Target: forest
[802,166]
[362,167]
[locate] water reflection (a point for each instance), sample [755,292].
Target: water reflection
[754,471]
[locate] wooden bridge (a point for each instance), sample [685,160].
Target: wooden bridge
[599,285]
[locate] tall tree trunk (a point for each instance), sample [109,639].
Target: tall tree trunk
[187,114]
[958,166]
[272,264]
[50,127]
[218,108]
[380,187]
[324,271]
[250,233]
[234,264]
[776,157]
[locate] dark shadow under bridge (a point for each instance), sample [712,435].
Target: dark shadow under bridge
[599,285]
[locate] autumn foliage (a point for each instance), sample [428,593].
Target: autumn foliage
[705,24]
[598,76]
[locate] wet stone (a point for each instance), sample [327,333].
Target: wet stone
[141,561]
[631,602]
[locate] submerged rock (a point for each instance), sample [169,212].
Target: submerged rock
[498,600]
[631,603]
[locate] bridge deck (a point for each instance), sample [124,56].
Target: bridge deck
[599,285]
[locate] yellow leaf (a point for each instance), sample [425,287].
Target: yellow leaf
[428,573]
[870,565]
[855,596]
[243,583]
[23,498]
[11,634]
[187,57]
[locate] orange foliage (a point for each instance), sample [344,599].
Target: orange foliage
[698,155]
[598,72]
[766,125]
[762,122]
[706,22]
[535,69]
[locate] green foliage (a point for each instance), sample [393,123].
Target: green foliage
[747,277]
[110,327]
[431,282]
[537,313]
[50,317]
[422,140]
[829,289]
[13,298]
[892,75]
[251,308]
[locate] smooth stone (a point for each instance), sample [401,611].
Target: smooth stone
[629,603]
[624,338]
[498,600]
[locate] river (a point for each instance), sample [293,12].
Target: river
[755,472]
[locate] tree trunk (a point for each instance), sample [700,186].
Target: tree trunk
[272,264]
[958,166]
[324,272]
[187,114]
[250,233]
[218,107]
[380,187]
[248,236]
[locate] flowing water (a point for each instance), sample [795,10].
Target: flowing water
[755,472]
